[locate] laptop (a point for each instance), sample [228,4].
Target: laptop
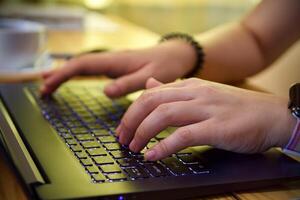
[64,147]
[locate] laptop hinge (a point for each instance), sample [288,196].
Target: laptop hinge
[17,149]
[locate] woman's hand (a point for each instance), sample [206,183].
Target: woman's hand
[166,62]
[205,113]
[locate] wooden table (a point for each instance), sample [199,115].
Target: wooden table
[127,35]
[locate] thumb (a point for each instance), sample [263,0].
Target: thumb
[152,82]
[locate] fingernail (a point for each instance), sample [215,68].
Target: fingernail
[150,155]
[132,146]
[118,130]
[121,137]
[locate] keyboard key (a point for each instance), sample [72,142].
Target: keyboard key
[100,132]
[143,151]
[177,167]
[113,146]
[107,139]
[79,130]
[98,177]
[110,168]
[92,169]
[68,118]
[62,130]
[88,119]
[185,151]
[156,169]
[85,115]
[97,111]
[103,160]
[90,144]
[76,148]
[74,124]
[91,104]
[71,141]
[115,177]
[138,155]
[84,137]
[151,144]
[95,126]
[81,154]
[199,168]
[119,154]
[112,129]
[162,135]
[127,162]
[153,140]
[189,159]
[86,162]
[66,136]
[74,103]
[81,111]
[58,125]
[136,172]
[56,122]
[96,152]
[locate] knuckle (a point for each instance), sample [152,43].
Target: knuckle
[148,98]
[192,80]
[77,61]
[207,90]
[121,86]
[185,135]
[164,111]
[141,134]
[164,149]
[125,124]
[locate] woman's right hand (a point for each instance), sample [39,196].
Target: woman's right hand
[166,62]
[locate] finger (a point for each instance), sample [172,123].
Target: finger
[46,74]
[143,106]
[128,83]
[175,84]
[176,114]
[90,64]
[61,75]
[152,82]
[191,135]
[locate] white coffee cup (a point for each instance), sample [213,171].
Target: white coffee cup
[22,45]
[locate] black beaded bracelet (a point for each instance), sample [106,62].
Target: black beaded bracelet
[198,50]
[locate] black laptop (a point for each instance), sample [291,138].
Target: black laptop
[64,147]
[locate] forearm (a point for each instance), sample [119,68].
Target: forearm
[231,54]
[239,50]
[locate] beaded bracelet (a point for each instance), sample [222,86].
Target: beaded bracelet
[197,47]
[293,146]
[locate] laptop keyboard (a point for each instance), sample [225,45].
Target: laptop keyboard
[86,121]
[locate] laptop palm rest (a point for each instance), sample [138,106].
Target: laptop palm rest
[17,149]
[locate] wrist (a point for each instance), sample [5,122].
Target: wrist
[282,123]
[197,49]
[182,52]
[290,123]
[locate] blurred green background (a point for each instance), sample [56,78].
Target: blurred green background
[162,16]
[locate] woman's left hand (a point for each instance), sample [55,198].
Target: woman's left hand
[206,113]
